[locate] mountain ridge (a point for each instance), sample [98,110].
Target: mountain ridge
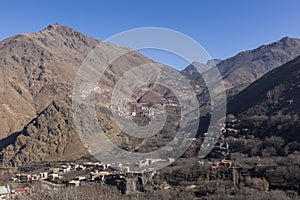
[38,71]
[247,66]
[264,88]
[270,105]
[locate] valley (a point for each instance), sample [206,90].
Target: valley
[257,151]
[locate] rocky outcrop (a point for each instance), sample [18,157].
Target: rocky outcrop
[50,135]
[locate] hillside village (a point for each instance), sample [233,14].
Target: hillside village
[256,156]
[65,176]
[226,169]
[72,174]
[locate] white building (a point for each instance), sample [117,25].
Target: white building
[4,192]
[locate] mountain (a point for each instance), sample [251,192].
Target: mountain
[213,62]
[37,74]
[36,69]
[278,91]
[204,67]
[271,105]
[245,67]
[49,135]
[248,66]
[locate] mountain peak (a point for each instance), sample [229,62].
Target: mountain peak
[205,67]
[61,30]
[287,38]
[213,62]
[58,35]
[58,26]
[288,41]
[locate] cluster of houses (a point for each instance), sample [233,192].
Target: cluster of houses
[57,173]
[109,174]
[29,177]
[221,150]
[233,129]
[225,164]
[142,109]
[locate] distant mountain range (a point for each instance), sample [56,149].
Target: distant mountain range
[37,73]
[248,66]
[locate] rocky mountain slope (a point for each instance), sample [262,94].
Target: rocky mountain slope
[204,67]
[270,105]
[49,136]
[250,65]
[37,73]
[276,92]
[36,69]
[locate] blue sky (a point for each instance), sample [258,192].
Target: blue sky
[223,28]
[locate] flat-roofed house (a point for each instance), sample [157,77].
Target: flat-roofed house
[74,183]
[23,177]
[55,177]
[44,175]
[4,192]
